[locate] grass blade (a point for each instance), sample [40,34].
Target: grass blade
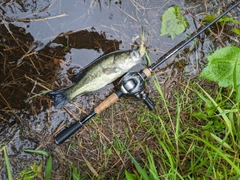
[220,141]
[129,176]
[49,161]
[48,168]
[157,85]
[220,110]
[235,77]
[140,170]
[75,174]
[219,152]
[7,164]
[37,152]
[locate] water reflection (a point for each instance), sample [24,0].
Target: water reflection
[26,72]
[30,6]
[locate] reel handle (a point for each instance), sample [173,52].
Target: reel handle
[147,101]
[66,133]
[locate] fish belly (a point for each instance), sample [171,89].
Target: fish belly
[95,84]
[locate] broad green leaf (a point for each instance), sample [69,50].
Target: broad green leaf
[173,23]
[221,66]
[237,31]
[235,81]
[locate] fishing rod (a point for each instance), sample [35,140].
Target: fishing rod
[133,83]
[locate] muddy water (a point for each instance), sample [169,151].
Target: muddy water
[44,43]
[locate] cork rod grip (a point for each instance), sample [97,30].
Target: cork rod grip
[147,72]
[106,103]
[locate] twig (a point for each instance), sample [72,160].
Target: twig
[37,83]
[90,166]
[61,126]
[5,101]
[216,35]
[127,14]
[19,45]
[105,137]
[34,20]
[28,53]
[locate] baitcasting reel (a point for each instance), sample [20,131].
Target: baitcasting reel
[133,83]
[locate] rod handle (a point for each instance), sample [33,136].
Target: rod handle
[147,72]
[66,133]
[108,102]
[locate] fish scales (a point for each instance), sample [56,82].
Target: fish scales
[99,75]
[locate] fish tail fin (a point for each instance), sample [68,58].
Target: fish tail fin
[59,97]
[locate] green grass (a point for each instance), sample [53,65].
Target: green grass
[8,166]
[186,145]
[36,170]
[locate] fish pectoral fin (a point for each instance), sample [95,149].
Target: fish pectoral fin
[109,70]
[77,76]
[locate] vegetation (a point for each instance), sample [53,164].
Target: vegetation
[173,23]
[35,169]
[203,143]
[208,18]
[8,166]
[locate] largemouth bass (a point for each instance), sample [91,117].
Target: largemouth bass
[98,74]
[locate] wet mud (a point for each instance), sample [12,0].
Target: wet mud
[43,44]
